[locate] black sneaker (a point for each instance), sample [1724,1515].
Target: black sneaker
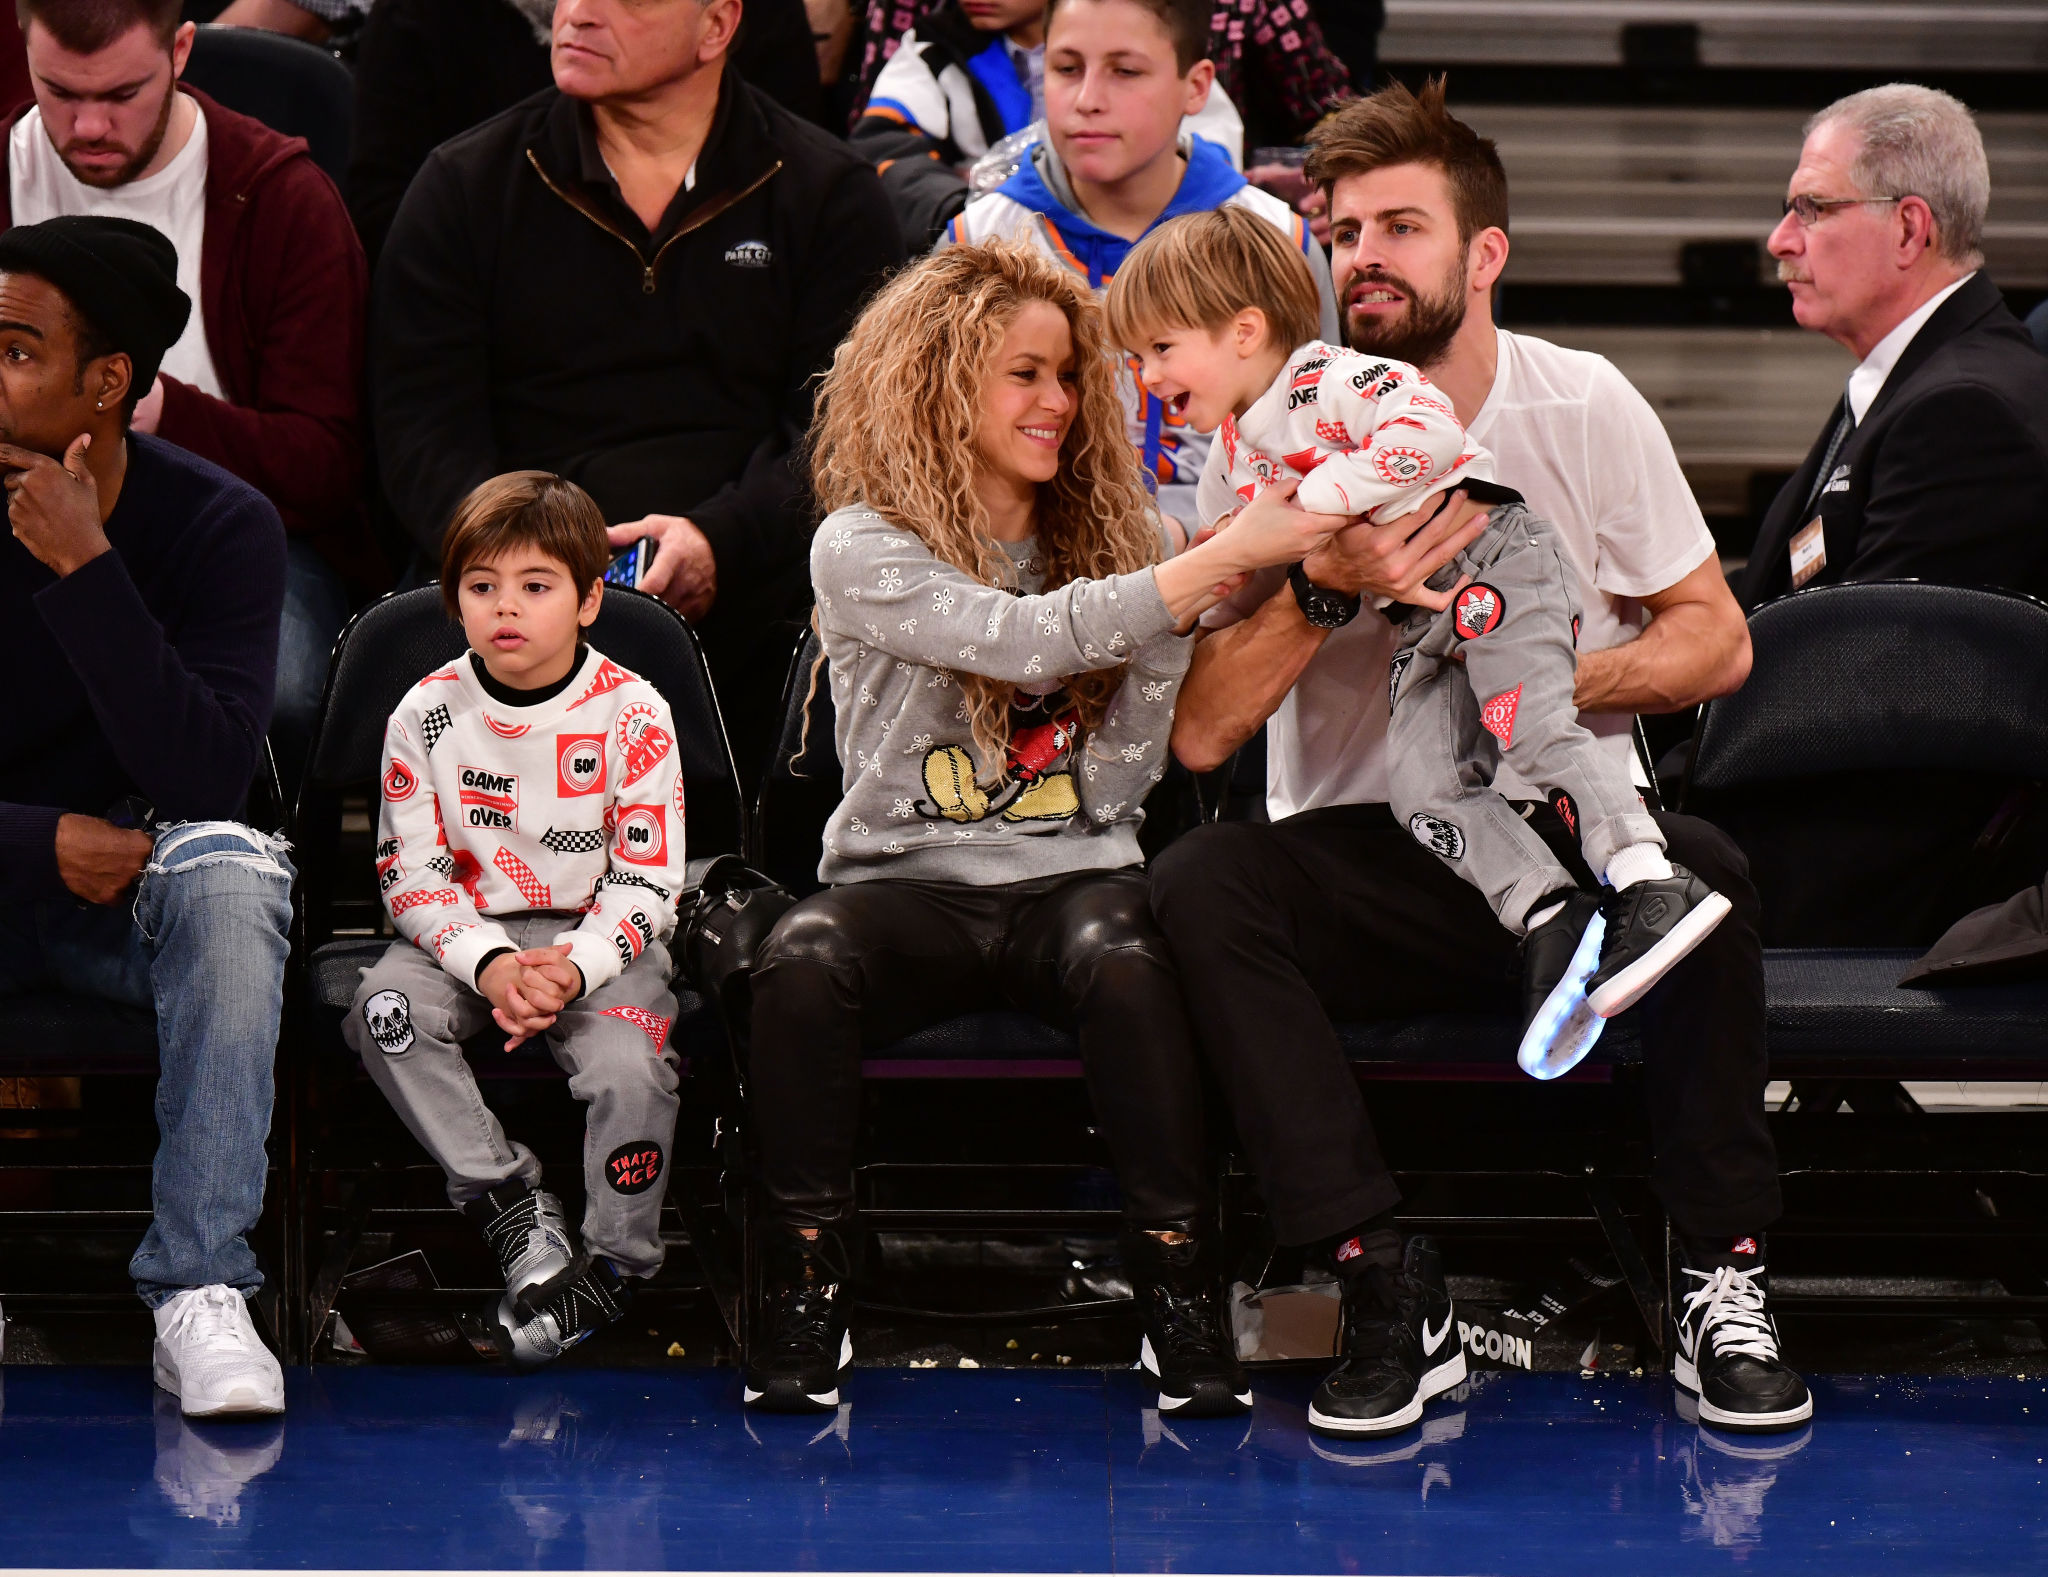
[1727,1353]
[527,1231]
[1400,1347]
[545,1321]
[1187,1346]
[800,1349]
[1558,957]
[1650,927]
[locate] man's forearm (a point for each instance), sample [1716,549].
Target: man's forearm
[1685,655]
[1238,679]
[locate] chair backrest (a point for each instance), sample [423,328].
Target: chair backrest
[802,786]
[393,643]
[293,87]
[1885,676]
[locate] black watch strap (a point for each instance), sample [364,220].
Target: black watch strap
[1322,607]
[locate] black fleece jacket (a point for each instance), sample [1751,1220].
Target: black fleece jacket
[523,316]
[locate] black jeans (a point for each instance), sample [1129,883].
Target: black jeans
[867,963]
[1340,914]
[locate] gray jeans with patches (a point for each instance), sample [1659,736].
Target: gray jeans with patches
[409,1021]
[1490,678]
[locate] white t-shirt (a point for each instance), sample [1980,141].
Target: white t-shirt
[173,200]
[1575,438]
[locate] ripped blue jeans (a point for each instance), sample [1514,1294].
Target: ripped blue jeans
[204,945]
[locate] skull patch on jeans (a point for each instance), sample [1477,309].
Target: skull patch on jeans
[389,1017]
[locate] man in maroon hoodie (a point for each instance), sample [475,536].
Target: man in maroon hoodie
[267,380]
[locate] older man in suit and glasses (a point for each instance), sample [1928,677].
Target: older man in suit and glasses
[1934,466]
[1935,462]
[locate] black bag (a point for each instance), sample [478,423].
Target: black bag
[725,913]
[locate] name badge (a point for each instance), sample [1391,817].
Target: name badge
[1809,553]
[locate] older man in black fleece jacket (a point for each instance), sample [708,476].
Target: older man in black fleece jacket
[630,279]
[139,600]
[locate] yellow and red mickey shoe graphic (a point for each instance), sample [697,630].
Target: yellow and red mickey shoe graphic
[1478,611]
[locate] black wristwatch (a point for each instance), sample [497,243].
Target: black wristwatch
[1322,607]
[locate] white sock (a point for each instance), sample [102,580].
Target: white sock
[1639,862]
[1541,916]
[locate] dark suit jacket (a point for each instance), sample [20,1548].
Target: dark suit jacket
[1945,478]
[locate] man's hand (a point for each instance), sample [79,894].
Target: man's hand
[684,573]
[518,1017]
[98,860]
[54,509]
[149,410]
[547,979]
[1386,561]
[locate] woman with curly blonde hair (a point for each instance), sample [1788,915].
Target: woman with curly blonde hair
[1004,650]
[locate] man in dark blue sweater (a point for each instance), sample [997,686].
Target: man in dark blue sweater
[139,605]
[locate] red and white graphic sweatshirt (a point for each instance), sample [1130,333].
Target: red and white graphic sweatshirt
[575,803]
[1365,435]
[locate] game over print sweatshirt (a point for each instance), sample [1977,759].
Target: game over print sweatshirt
[900,626]
[572,803]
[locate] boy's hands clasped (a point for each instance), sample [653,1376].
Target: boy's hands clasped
[528,990]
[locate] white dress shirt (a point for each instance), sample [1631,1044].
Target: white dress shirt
[1867,381]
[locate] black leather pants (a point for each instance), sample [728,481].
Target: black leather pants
[862,965]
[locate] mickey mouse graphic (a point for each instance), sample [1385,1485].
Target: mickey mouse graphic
[1039,785]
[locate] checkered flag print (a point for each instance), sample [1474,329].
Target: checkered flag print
[531,887]
[572,842]
[434,725]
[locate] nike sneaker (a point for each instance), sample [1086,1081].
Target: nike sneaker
[799,1350]
[1650,927]
[1187,1346]
[1727,1353]
[545,1321]
[1559,956]
[1400,1346]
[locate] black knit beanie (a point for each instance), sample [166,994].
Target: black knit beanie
[120,275]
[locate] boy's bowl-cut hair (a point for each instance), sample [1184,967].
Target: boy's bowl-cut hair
[1200,270]
[534,509]
[1187,23]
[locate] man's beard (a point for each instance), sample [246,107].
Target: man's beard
[1421,334]
[136,165]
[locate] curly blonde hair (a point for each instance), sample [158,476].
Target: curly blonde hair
[897,425]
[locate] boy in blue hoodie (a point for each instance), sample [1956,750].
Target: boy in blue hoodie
[1120,75]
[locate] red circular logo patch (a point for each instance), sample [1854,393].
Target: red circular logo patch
[1402,467]
[398,782]
[1478,610]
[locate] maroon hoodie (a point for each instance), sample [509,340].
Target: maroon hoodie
[284,293]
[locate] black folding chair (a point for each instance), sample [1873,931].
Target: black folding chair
[1876,679]
[363,1178]
[290,85]
[978,1124]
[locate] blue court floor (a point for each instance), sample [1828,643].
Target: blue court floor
[995,1470]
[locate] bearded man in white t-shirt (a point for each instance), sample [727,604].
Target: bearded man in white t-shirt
[1334,911]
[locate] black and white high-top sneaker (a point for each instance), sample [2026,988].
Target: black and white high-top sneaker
[800,1348]
[528,1232]
[1727,1354]
[1400,1346]
[547,1320]
[1559,956]
[1650,926]
[1187,1346]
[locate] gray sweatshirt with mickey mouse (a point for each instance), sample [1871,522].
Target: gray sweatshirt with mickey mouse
[900,626]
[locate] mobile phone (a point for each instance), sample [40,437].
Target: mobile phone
[631,565]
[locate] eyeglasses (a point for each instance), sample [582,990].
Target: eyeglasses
[1808,210]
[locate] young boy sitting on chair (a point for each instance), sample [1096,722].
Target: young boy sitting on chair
[530,850]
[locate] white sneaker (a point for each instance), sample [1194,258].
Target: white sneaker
[209,1356]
